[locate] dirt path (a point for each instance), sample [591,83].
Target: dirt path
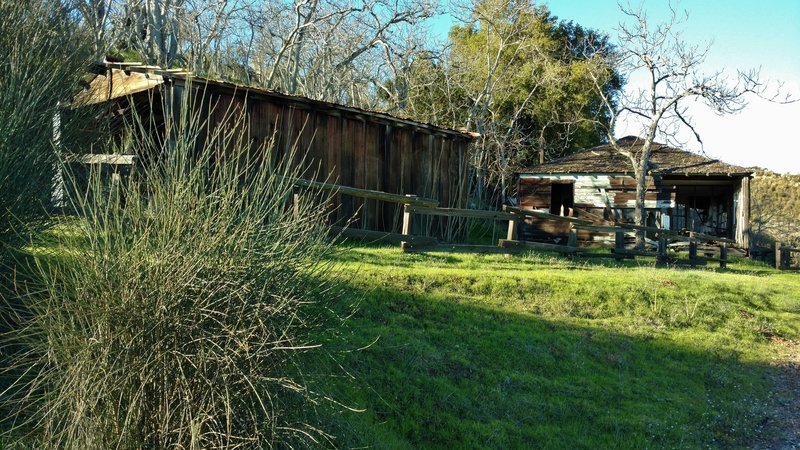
[784,426]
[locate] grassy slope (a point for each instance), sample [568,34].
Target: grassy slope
[488,351]
[776,207]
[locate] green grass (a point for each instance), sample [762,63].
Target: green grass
[470,351]
[537,351]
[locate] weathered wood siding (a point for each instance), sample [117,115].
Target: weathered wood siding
[667,203]
[361,151]
[595,191]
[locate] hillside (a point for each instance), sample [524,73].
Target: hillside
[467,351]
[775,202]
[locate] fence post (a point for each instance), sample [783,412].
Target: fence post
[723,256]
[406,219]
[404,245]
[692,249]
[296,205]
[572,240]
[661,258]
[513,225]
[619,243]
[778,256]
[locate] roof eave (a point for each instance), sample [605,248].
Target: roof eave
[183,76]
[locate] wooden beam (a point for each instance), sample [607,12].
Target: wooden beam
[692,249]
[572,239]
[543,215]
[513,229]
[367,193]
[661,258]
[659,231]
[296,205]
[602,229]
[723,256]
[745,205]
[595,218]
[619,245]
[406,220]
[712,238]
[457,212]
[457,248]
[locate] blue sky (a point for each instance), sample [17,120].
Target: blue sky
[744,34]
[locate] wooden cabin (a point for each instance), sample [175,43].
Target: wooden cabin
[685,191]
[345,145]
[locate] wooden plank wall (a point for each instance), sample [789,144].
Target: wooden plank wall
[609,195]
[602,195]
[364,152]
[596,191]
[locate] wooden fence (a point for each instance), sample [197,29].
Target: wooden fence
[715,248]
[367,194]
[415,205]
[783,257]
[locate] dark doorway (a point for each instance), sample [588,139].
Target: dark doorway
[562,198]
[705,208]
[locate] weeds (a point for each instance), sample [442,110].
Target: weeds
[178,322]
[40,66]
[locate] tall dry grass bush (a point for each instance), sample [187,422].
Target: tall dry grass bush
[42,59]
[177,322]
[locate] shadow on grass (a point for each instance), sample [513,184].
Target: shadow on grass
[446,373]
[599,257]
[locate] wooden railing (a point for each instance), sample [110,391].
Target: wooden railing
[372,235]
[414,205]
[783,256]
[620,230]
[410,246]
[367,193]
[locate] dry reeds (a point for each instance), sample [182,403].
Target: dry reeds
[41,64]
[175,321]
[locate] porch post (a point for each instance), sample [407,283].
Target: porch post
[744,204]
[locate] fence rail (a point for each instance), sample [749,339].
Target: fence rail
[367,193]
[425,206]
[414,205]
[783,256]
[457,212]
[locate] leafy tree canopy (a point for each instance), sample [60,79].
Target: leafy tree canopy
[518,72]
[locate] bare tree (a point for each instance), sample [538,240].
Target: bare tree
[212,30]
[335,50]
[675,79]
[331,49]
[95,15]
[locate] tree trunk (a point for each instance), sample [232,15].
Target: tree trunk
[640,216]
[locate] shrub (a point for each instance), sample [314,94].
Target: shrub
[41,63]
[176,321]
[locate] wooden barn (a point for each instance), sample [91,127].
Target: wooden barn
[345,145]
[685,191]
